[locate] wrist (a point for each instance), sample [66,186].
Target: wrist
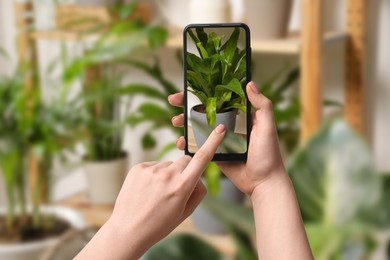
[128,240]
[274,182]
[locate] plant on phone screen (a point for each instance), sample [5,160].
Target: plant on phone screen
[217,76]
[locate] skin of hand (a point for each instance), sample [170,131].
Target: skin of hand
[263,144]
[280,232]
[155,198]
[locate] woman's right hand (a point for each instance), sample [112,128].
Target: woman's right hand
[264,159]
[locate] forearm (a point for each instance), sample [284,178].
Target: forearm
[113,242]
[279,228]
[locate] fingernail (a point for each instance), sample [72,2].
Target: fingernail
[173,119]
[220,129]
[253,87]
[169,97]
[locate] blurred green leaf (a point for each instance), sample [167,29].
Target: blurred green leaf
[148,141]
[353,241]
[3,53]
[243,241]
[165,150]
[212,175]
[157,37]
[240,223]
[154,71]
[180,247]
[125,11]
[334,176]
[333,103]
[381,216]
[231,214]
[136,89]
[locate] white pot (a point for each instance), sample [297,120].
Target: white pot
[35,250]
[205,221]
[105,179]
[95,2]
[210,11]
[174,12]
[228,119]
[268,19]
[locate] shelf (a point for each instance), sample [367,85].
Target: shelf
[290,45]
[62,35]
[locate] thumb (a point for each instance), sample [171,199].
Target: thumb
[262,105]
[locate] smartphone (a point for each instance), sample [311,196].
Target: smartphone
[217,59]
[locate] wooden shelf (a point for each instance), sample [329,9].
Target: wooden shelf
[290,45]
[62,35]
[96,216]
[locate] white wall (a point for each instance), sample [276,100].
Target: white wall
[378,82]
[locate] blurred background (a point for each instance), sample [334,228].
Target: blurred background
[84,87]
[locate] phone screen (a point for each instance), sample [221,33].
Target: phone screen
[217,69]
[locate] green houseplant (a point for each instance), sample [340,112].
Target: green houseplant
[32,133]
[154,109]
[106,100]
[217,77]
[341,195]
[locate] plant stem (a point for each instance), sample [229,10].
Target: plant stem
[10,209]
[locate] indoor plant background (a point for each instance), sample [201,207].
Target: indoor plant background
[106,100]
[33,132]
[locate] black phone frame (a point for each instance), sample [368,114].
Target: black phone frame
[220,157]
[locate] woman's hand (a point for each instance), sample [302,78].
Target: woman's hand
[264,159]
[155,198]
[263,177]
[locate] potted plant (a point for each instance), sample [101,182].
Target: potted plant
[105,103]
[217,77]
[32,132]
[106,163]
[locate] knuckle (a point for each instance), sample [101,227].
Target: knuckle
[178,191]
[267,104]
[154,170]
[140,166]
[202,156]
[187,158]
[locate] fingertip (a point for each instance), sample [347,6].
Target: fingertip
[220,129]
[170,99]
[254,87]
[181,143]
